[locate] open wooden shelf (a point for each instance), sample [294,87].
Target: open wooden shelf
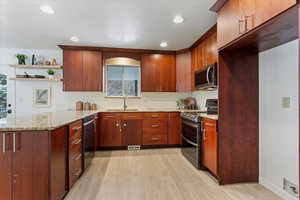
[38,66]
[37,79]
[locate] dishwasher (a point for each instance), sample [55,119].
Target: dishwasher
[88,140]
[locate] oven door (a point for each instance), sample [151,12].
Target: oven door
[191,142]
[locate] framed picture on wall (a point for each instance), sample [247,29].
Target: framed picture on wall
[41,97]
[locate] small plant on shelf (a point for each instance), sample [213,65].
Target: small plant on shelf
[51,73]
[21,59]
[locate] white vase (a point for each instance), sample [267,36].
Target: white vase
[51,76]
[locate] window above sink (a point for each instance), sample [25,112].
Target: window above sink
[122,77]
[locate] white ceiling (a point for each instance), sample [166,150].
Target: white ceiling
[111,23]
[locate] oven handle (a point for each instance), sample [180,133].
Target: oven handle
[191,124]
[89,122]
[190,142]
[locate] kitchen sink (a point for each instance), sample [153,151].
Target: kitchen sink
[121,110]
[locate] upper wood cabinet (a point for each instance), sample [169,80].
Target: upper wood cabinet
[183,72]
[82,70]
[238,17]
[158,73]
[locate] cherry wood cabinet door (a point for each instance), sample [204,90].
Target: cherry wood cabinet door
[30,166]
[174,127]
[246,15]
[183,72]
[92,71]
[209,151]
[73,70]
[228,23]
[58,163]
[6,166]
[111,133]
[167,73]
[268,9]
[158,73]
[131,132]
[150,73]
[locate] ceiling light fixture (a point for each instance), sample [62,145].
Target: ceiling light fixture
[47,9]
[74,39]
[163,44]
[178,19]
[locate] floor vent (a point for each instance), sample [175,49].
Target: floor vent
[133,147]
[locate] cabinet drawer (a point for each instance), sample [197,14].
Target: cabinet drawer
[129,116]
[174,115]
[110,116]
[75,130]
[156,115]
[75,169]
[155,139]
[155,126]
[75,149]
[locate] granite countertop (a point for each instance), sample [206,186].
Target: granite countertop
[213,117]
[53,120]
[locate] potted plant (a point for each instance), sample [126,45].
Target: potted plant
[50,73]
[21,59]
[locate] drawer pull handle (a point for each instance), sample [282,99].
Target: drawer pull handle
[155,116]
[3,143]
[77,128]
[78,173]
[155,126]
[209,124]
[131,116]
[77,157]
[76,141]
[155,139]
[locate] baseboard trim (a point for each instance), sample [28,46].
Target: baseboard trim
[277,190]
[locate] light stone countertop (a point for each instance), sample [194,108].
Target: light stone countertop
[53,120]
[213,117]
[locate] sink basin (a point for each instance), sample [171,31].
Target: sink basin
[121,110]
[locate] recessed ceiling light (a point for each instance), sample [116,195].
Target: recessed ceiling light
[47,9]
[74,39]
[178,19]
[163,44]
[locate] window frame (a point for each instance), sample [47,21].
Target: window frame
[105,79]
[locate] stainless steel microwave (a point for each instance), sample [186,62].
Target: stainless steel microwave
[207,78]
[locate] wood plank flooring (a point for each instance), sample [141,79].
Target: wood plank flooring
[160,174]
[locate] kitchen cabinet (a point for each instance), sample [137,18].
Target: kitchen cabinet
[238,17]
[183,72]
[6,166]
[131,132]
[209,145]
[228,22]
[82,70]
[158,73]
[75,152]
[111,131]
[174,129]
[267,9]
[59,170]
[24,165]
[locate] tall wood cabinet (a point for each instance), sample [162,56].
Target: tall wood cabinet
[183,72]
[158,73]
[82,70]
[238,17]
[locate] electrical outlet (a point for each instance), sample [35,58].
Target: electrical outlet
[286,102]
[290,187]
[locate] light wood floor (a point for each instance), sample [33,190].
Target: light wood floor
[161,174]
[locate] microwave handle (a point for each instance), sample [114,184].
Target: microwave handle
[207,74]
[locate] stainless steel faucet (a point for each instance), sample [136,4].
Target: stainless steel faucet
[124,104]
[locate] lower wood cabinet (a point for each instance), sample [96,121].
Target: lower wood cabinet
[33,165]
[210,145]
[124,129]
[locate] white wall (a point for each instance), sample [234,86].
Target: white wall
[278,129]
[21,92]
